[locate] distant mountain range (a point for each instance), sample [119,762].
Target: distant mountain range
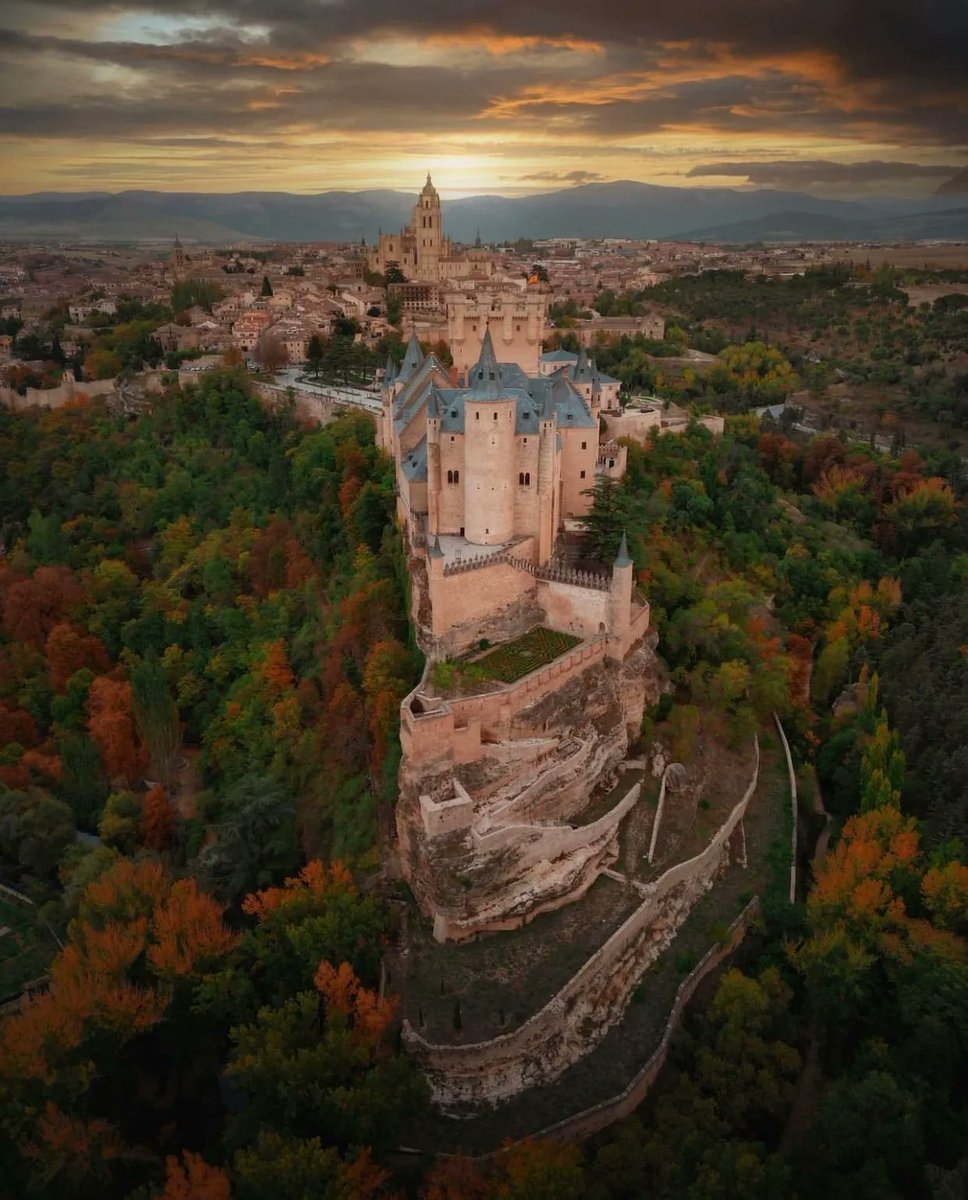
[621,209]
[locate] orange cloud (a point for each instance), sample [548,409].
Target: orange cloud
[499,43]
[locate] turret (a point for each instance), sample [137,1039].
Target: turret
[620,601]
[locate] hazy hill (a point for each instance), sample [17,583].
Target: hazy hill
[620,209]
[947,224]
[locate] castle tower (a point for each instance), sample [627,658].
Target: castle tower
[433,462]
[548,481]
[488,454]
[620,600]
[516,320]
[427,232]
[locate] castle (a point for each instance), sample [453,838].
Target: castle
[491,463]
[422,251]
[518,800]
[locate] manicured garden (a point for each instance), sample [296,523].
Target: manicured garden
[505,663]
[534,649]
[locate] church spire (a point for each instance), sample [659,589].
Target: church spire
[623,559]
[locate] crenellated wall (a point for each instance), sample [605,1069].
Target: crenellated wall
[464,1078]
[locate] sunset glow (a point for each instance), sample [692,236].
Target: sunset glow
[226,96]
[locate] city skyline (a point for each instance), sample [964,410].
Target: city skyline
[849,99]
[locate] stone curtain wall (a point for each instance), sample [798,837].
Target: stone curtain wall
[450,730]
[56,397]
[591,1120]
[464,1078]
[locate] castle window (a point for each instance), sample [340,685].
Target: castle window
[477,416]
[582,475]
[495,415]
[584,445]
[524,479]
[452,437]
[525,442]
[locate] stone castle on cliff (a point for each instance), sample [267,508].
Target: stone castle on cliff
[516,792]
[492,465]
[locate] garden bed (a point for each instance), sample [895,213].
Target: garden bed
[536,648]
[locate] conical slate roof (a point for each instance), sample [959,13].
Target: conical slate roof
[435,550]
[485,374]
[411,360]
[389,371]
[582,368]
[623,558]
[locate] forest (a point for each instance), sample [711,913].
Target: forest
[203,647]
[847,335]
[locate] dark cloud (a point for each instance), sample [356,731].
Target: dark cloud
[868,72]
[563,177]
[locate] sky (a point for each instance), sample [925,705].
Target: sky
[837,97]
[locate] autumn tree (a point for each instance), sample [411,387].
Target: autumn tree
[69,649]
[270,352]
[111,726]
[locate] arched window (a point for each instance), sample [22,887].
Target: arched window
[450,476]
[524,479]
[457,477]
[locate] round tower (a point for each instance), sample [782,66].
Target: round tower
[620,600]
[488,454]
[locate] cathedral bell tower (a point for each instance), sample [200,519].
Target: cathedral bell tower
[427,232]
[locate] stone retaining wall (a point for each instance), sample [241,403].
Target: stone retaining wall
[465,1078]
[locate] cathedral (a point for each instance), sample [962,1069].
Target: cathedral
[421,250]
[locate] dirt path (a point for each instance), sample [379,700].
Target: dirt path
[808,1087]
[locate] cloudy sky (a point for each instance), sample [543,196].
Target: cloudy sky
[843,97]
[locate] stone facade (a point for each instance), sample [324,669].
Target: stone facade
[423,252]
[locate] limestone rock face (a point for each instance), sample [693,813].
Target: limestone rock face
[520,852]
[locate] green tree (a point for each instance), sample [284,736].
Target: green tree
[156,715]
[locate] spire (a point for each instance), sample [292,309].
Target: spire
[411,360]
[484,375]
[177,242]
[435,550]
[623,559]
[477,240]
[389,371]
[433,404]
[581,367]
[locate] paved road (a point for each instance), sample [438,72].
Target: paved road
[353,397]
